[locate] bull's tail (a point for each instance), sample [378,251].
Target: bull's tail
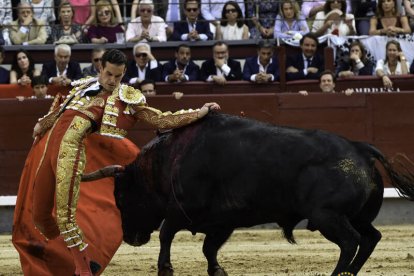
[402,178]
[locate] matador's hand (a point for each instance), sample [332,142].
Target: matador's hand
[206,108]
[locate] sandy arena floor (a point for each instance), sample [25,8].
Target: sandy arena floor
[252,252]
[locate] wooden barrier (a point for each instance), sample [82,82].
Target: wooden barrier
[383,119]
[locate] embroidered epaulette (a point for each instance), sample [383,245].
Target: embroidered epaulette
[130,95]
[83,81]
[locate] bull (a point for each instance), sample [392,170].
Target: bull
[224,172]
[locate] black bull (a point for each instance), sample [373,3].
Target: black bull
[224,172]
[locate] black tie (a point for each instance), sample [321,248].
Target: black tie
[308,62]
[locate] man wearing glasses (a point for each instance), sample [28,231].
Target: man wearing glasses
[147,27]
[93,69]
[144,66]
[192,29]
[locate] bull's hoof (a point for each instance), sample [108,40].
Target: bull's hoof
[166,270]
[217,271]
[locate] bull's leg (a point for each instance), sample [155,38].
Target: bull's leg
[212,243]
[339,230]
[167,234]
[369,239]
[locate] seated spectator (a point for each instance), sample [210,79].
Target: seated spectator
[27,30]
[62,71]
[93,69]
[388,21]
[39,86]
[106,26]
[182,68]
[356,63]
[220,68]
[232,25]
[395,63]
[289,21]
[147,87]
[311,7]
[143,67]
[5,19]
[4,73]
[43,10]
[66,32]
[334,20]
[308,64]
[211,10]
[84,12]
[327,82]
[409,11]
[262,15]
[264,67]
[23,68]
[192,29]
[147,27]
[161,8]
[363,11]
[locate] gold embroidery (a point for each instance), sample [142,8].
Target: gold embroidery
[130,95]
[167,119]
[70,166]
[111,131]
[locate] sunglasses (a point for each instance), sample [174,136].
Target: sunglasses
[231,10]
[192,9]
[144,55]
[145,10]
[102,13]
[97,59]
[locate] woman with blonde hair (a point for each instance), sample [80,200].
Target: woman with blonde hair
[394,63]
[106,25]
[290,21]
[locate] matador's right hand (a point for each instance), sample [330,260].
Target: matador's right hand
[37,131]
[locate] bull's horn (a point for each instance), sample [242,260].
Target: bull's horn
[107,171]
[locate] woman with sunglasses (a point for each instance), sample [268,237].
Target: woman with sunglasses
[66,31]
[23,68]
[146,27]
[232,25]
[106,26]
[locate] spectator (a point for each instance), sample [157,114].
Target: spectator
[211,10]
[106,27]
[289,21]
[147,88]
[93,69]
[327,82]
[43,10]
[182,68]
[84,13]
[363,11]
[143,67]
[409,11]
[5,19]
[395,63]
[334,20]
[23,68]
[388,21]
[264,67]
[66,32]
[232,25]
[220,68]
[311,7]
[160,8]
[4,73]
[192,29]
[357,63]
[262,15]
[308,64]
[147,27]
[39,86]
[27,30]
[62,71]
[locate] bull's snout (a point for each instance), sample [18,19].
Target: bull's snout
[138,239]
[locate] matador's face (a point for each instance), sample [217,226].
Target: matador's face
[111,75]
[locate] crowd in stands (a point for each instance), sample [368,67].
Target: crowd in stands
[67,22]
